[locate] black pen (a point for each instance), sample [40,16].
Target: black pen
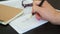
[41,3]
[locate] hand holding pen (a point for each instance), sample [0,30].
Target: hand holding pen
[40,5]
[45,11]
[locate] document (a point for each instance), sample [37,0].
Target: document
[25,22]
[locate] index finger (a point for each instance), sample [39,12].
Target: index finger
[34,4]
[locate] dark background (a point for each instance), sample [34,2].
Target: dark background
[47,28]
[55,3]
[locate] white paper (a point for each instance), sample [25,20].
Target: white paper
[25,23]
[13,3]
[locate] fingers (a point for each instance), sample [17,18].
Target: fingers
[38,16]
[36,9]
[36,2]
[35,6]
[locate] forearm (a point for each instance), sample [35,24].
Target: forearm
[56,19]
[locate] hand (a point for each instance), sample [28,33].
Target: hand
[47,12]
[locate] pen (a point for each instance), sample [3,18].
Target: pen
[41,3]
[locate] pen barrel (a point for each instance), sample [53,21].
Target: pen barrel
[41,3]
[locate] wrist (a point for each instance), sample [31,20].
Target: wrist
[56,18]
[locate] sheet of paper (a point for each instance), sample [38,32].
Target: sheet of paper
[13,3]
[25,23]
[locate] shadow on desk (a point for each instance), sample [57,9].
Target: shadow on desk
[7,29]
[47,28]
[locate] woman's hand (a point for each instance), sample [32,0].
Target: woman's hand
[46,12]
